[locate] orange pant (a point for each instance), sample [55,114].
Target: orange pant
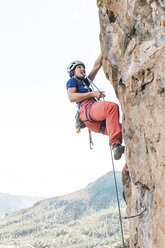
[100,111]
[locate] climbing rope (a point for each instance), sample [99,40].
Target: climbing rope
[118,201]
[93,86]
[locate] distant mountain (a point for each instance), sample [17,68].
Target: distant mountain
[10,202]
[83,219]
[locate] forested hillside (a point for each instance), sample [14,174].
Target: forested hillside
[85,218]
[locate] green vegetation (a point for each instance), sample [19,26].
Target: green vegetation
[84,219]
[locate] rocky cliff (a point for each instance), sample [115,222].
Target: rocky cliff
[132,37]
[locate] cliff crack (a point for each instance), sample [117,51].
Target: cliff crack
[111,16]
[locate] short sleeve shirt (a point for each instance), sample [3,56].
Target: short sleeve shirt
[82,86]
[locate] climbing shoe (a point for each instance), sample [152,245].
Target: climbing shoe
[118,150]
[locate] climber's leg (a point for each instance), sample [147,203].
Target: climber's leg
[110,112]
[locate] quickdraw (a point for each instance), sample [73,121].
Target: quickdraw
[134,216]
[79,123]
[90,139]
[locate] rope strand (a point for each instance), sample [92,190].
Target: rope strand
[118,202]
[93,86]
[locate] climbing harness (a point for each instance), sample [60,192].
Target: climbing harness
[118,202]
[79,123]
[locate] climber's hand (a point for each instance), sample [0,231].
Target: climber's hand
[98,94]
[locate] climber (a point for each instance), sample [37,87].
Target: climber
[98,116]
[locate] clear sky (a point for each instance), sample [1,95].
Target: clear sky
[40,152]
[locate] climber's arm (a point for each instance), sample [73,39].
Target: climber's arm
[74,96]
[97,65]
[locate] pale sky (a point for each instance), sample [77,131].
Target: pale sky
[40,152]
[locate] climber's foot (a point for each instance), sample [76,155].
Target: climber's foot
[118,150]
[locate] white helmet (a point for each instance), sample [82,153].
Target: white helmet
[72,66]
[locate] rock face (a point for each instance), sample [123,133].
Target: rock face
[132,40]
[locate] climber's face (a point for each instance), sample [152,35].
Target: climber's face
[79,71]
